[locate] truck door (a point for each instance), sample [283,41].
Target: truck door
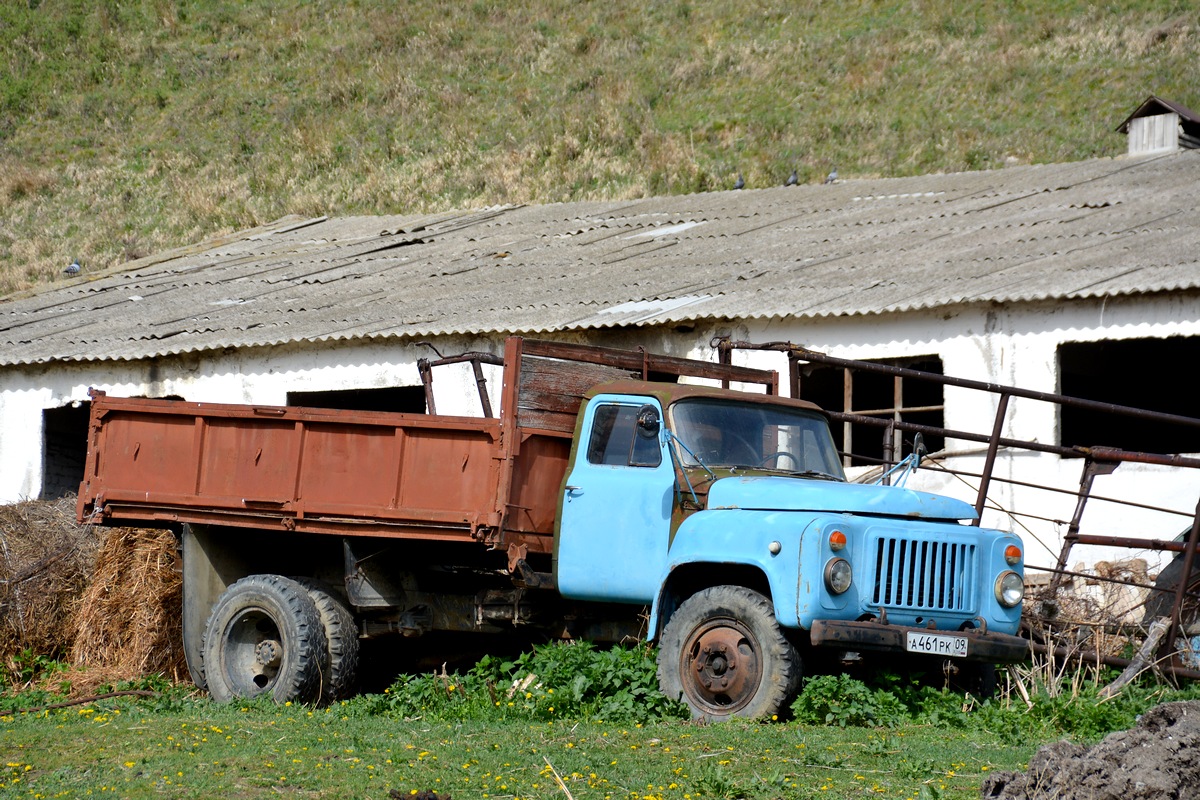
[615,522]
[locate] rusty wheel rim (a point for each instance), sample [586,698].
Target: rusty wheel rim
[721,666]
[253,652]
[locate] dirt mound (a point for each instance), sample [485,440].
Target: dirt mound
[1159,759]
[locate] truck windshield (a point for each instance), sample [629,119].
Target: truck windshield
[755,436]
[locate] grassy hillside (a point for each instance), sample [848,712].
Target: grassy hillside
[131,127]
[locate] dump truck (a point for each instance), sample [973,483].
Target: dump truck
[615,494]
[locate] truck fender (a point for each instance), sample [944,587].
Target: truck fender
[734,547]
[210,565]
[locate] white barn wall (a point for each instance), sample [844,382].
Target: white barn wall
[20,439]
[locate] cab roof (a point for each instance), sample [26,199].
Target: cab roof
[668,393]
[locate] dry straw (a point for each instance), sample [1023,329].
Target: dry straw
[46,561]
[128,623]
[107,600]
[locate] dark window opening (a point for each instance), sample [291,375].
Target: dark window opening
[1141,373]
[64,449]
[879,396]
[615,440]
[406,399]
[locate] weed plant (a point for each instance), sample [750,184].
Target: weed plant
[1068,705]
[563,681]
[581,682]
[28,666]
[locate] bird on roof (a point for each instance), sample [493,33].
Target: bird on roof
[832,176]
[740,182]
[792,179]
[73,268]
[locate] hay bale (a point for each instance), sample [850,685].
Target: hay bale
[129,623]
[46,561]
[106,599]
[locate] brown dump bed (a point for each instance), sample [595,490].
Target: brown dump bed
[366,473]
[309,469]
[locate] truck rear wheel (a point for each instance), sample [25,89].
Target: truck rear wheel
[265,636]
[724,655]
[341,640]
[1160,604]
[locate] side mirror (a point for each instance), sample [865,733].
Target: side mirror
[648,422]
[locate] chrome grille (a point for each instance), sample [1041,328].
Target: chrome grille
[924,575]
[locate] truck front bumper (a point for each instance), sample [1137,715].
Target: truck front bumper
[991,647]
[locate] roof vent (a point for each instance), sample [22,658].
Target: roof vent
[1160,126]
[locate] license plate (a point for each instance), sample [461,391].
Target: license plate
[936,644]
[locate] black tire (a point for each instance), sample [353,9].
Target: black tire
[264,636]
[339,681]
[975,678]
[724,655]
[1160,604]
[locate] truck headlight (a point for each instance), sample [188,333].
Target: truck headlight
[1010,589]
[838,575]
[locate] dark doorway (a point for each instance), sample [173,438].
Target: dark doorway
[64,449]
[1141,373]
[406,399]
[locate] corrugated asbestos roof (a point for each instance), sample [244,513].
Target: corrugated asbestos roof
[1096,228]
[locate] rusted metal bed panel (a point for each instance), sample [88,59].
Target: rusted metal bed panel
[247,464]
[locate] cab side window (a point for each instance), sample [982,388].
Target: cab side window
[615,441]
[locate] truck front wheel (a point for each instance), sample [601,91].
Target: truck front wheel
[265,636]
[723,654]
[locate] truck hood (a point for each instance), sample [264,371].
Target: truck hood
[772,493]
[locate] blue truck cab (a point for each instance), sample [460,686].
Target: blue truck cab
[730,516]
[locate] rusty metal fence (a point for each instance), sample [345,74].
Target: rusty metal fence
[1178,652]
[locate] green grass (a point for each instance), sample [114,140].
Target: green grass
[127,128]
[514,729]
[201,750]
